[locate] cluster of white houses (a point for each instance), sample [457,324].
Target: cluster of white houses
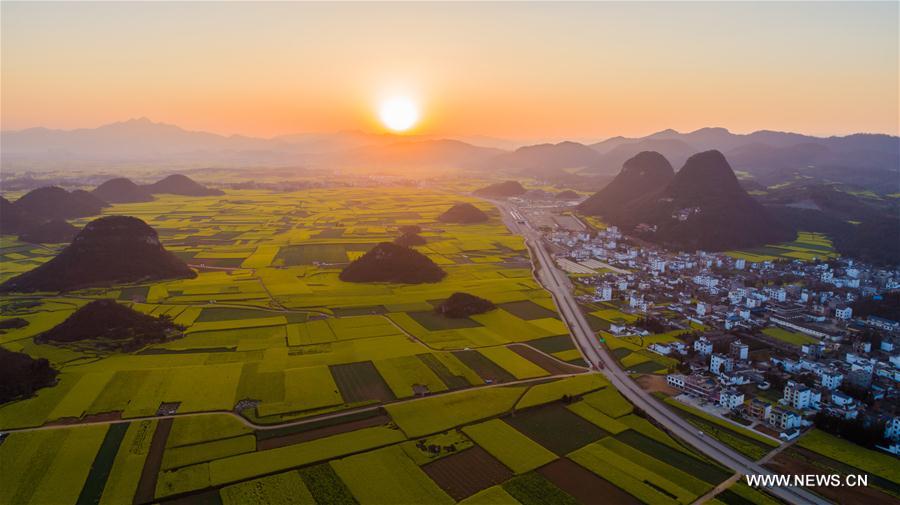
[720,294]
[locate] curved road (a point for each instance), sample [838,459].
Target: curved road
[558,284]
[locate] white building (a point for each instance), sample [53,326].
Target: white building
[845,313]
[739,351]
[720,364]
[740,264]
[892,429]
[800,396]
[784,419]
[831,379]
[604,293]
[701,309]
[731,399]
[703,346]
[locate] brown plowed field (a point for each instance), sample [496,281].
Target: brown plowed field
[467,473]
[584,485]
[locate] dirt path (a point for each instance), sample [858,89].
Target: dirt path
[146,489]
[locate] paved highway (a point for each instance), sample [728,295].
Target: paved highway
[558,284]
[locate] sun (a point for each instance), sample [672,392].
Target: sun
[398,113]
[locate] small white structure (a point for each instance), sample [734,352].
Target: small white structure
[703,346]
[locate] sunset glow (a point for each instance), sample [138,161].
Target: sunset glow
[611,69]
[398,114]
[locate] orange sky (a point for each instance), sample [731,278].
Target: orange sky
[513,70]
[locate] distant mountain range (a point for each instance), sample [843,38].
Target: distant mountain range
[770,157]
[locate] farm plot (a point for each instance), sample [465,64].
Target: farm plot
[325,485]
[102,464]
[799,461]
[514,363]
[790,337]
[848,453]
[189,430]
[279,489]
[125,473]
[808,246]
[698,468]
[511,447]
[177,457]
[48,466]
[388,476]
[243,466]
[290,435]
[305,389]
[583,485]
[644,484]
[491,496]
[557,389]
[601,420]
[554,344]
[685,481]
[533,489]
[432,321]
[609,401]
[528,310]
[489,371]
[309,254]
[408,376]
[450,370]
[556,428]
[440,413]
[550,365]
[360,382]
[463,474]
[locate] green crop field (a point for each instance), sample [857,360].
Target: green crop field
[808,246]
[556,428]
[533,489]
[570,386]
[875,463]
[609,402]
[791,337]
[279,489]
[388,476]
[508,445]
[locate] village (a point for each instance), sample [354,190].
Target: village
[771,345]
